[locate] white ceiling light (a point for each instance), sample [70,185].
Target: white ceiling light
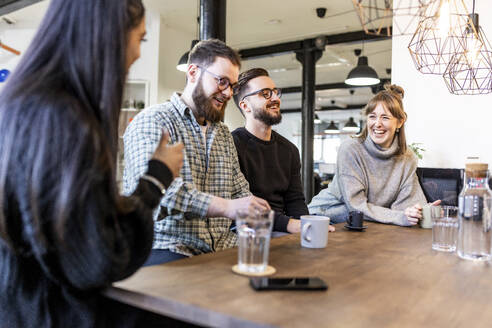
[351,126]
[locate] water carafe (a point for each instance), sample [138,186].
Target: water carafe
[475,234]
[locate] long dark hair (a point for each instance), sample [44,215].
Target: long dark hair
[74,70]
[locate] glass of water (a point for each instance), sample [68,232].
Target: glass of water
[254,229]
[444,228]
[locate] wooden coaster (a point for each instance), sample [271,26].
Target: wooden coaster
[269,271]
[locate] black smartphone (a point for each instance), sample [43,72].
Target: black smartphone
[296,283]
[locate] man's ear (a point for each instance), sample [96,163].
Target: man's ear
[192,73]
[244,106]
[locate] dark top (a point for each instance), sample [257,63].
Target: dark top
[273,170]
[51,274]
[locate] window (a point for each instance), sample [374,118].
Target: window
[326,148]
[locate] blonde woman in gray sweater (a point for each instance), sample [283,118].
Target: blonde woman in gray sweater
[376,171]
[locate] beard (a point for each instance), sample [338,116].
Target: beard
[204,105]
[263,115]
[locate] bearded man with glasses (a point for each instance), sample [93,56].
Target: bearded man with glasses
[270,162]
[197,211]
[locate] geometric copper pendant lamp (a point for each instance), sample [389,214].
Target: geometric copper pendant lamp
[439,36]
[470,73]
[376,16]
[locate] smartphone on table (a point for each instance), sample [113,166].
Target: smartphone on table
[288,283]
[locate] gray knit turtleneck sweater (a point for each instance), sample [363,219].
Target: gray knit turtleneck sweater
[375,181]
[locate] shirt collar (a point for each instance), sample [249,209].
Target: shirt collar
[179,104]
[184,110]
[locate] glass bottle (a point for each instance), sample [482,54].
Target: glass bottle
[475,234]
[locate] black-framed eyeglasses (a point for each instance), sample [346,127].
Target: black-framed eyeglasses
[267,93]
[222,82]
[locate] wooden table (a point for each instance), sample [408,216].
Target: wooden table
[387,276]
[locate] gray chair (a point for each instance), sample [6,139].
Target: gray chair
[443,184]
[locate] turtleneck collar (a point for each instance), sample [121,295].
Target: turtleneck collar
[376,151]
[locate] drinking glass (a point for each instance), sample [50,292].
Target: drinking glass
[444,228]
[254,229]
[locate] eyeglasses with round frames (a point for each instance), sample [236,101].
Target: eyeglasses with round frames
[267,93]
[222,82]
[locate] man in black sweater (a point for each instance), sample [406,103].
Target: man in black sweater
[270,162]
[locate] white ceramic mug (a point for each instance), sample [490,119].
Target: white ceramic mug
[314,231]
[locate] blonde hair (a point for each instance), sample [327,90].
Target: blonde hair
[391,98]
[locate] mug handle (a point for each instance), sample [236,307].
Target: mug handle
[304,232]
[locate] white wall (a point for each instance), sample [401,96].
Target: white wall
[16,36]
[450,127]
[233,117]
[147,66]
[173,44]
[20,35]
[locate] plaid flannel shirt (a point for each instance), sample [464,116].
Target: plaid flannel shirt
[210,168]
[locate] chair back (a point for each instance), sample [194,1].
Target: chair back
[443,184]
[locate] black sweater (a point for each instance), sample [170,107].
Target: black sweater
[273,170]
[51,274]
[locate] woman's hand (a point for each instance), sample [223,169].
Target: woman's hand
[171,155]
[414,214]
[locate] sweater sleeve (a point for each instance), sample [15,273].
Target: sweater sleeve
[353,186]
[294,201]
[109,239]
[280,222]
[410,192]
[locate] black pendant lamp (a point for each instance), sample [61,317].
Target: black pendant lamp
[362,74]
[332,128]
[351,126]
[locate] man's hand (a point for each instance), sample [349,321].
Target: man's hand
[230,208]
[245,204]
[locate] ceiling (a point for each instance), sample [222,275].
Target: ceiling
[256,23]
[259,23]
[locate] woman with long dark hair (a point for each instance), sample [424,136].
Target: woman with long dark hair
[65,233]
